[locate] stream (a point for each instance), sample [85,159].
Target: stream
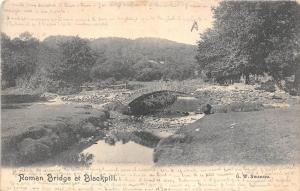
[132,147]
[126,141]
[130,152]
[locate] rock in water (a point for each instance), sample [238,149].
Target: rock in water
[207,109]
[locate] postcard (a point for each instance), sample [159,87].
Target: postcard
[162,95]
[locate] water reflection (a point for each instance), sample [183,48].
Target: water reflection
[120,152]
[122,147]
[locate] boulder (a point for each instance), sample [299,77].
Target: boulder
[88,130]
[145,138]
[110,140]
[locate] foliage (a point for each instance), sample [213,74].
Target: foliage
[18,57]
[251,38]
[125,59]
[268,86]
[63,63]
[148,74]
[112,68]
[75,62]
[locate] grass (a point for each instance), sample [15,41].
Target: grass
[238,107]
[270,136]
[37,130]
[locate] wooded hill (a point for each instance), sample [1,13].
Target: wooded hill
[71,61]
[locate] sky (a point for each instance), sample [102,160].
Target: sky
[177,20]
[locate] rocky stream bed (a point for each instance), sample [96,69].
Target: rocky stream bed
[106,126]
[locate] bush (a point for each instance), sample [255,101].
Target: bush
[148,74]
[41,82]
[5,84]
[268,86]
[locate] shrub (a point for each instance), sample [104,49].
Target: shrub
[268,86]
[149,74]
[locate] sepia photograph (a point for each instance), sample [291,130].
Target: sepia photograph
[154,83]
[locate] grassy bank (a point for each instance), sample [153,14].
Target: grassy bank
[263,137]
[35,132]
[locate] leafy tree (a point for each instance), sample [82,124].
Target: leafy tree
[113,68]
[19,58]
[76,60]
[60,62]
[251,38]
[7,69]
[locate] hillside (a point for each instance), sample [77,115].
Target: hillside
[68,61]
[142,48]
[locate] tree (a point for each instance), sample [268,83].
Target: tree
[19,58]
[297,74]
[113,68]
[251,38]
[148,74]
[7,69]
[76,60]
